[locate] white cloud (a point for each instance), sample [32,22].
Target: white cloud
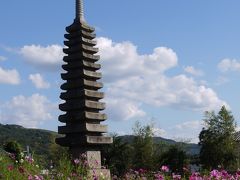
[9,76]
[133,80]
[123,109]
[158,132]
[27,111]
[2,58]
[193,71]
[142,78]
[121,60]
[229,65]
[185,130]
[38,81]
[48,57]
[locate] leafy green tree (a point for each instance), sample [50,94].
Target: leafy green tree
[176,158]
[218,147]
[14,148]
[118,156]
[143,145]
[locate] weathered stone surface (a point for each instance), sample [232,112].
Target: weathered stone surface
[82,128]
[78,48]
[79,26]
[88,94]
[83,140]
[89,42]
[86,74]
[81,56]
[78,41]
[84,104]
[94,159]
[80,33]
[99,140]
[81,64]
[74,116]
[84,84]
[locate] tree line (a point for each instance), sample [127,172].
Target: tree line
[217,141]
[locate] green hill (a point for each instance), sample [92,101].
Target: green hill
[191,148]
[41,142]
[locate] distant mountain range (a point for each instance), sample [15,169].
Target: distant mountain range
[40,141]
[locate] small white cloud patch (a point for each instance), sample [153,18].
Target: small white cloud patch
[38,81]
[193,71]
[229,65]
[9,76]
[27,111]
[48,57]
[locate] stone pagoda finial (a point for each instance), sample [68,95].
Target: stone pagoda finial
[79,10]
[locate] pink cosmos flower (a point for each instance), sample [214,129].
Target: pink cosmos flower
[76,161]
[29,159]
[195,176]
[10,167]
[165,169]
[159,177]
[215,174]
[176,176]
[36,177]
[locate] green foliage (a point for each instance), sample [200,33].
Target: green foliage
[27,168]
[143,156]
[17,170]
[41,142]
[118,156]
[217,140]
[176,158]
[14,148]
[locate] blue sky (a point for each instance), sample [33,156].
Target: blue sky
[164,62]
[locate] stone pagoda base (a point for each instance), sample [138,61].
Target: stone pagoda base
[94,161]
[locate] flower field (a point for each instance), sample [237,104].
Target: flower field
[25,168]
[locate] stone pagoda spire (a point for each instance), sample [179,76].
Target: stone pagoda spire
[79,11]
[83,131]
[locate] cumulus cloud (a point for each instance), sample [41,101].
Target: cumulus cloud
[47,57]
[123,109]
[9,76]
[133,80]
[142,78]
[121,60]
[2,58]
[185,130]
[193,71]
[229,65]
[38,81]
[27,111]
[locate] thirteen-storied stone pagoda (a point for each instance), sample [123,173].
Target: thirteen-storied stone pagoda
[83,131]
